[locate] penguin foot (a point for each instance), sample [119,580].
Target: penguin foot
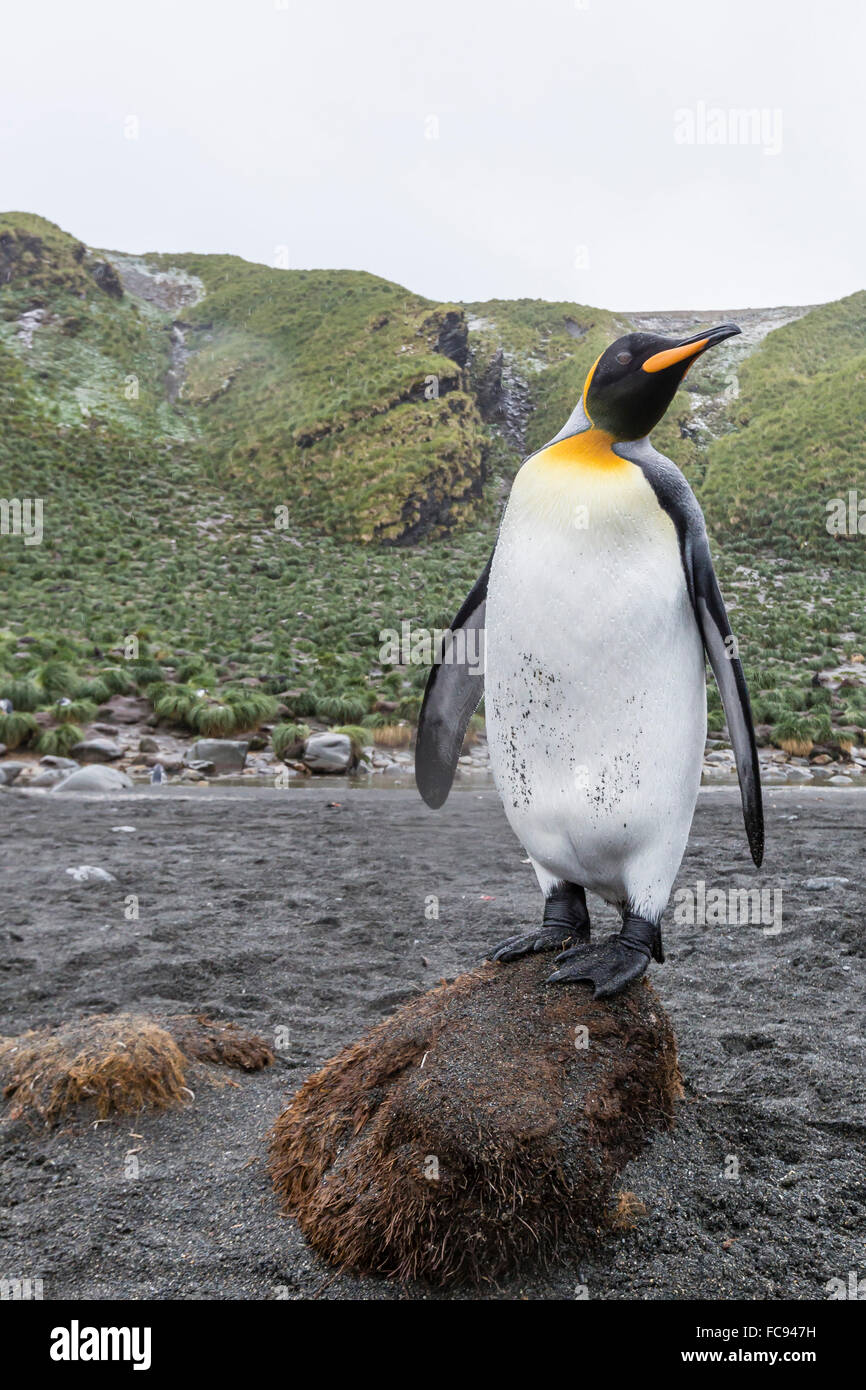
[565,920]
[614,964]
[544,938]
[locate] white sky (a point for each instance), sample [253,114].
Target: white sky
[305,127]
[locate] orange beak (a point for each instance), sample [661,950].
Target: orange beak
[688,349]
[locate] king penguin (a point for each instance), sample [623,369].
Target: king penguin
[597,607]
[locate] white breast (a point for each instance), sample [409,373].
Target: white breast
[594,686]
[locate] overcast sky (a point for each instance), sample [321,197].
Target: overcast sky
[465,148]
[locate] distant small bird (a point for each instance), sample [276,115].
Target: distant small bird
[157,773]
[598,603]
[6,706]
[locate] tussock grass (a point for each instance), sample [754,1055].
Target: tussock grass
[17,729]
[24,693]
[60,740]
[287,740]
[77,711]
[393,735]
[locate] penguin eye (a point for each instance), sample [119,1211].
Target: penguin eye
[624,358]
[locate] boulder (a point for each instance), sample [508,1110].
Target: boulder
[227,755]
[124,709]
[148,744]
[328,753]
[8,772]
[480,1128]
[53,760]
[97,750]
[95,778]
[49,777]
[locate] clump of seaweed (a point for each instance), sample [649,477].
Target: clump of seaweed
[117,1064]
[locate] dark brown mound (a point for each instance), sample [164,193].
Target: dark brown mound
[116,1063]
[207,1040]
[471,1131]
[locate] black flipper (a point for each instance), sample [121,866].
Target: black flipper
[728,670]
[678,500]
[453,691]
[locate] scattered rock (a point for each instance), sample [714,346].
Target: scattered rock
[147,744]
[124,709]
[50,777]
[226,755]
[328,753]
[840,780]
[95,779]
[107,730]
[97,750]
[106,278]
[52,760]
[480,1127]
[713,773]
[91,873]
[8,773]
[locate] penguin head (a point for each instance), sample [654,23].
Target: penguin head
[634,381]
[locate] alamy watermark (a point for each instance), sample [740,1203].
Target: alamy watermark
[846,516]
[423,646]
[22,516]
[760,126]
[719,907]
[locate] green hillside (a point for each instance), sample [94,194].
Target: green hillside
[799,435]
[258,470]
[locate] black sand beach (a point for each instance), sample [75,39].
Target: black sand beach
[306,921]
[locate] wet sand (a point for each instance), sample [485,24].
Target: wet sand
[283,912]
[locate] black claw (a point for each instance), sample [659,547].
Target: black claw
[609,967]
[544,939]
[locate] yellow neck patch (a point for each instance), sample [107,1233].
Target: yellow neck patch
[575,476]
[590,449]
